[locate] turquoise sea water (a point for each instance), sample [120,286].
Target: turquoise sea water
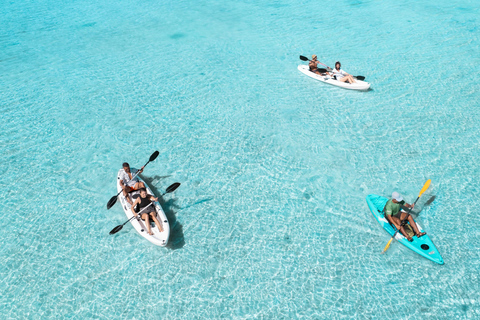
[270,220]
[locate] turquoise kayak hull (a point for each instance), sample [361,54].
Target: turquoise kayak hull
[423,245]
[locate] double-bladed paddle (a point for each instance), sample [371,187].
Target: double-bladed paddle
[169,189]
[404,221]
[113,200]
[303,58]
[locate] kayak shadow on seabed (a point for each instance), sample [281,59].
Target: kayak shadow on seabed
[176,240]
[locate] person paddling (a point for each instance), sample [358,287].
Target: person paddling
[341,75]
[128,181]
[147,208]
[313,65]
[395,215]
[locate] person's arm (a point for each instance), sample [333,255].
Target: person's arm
[152,198]
[389,218]
[133,207]
[122,184]
[407,206]
[135,173]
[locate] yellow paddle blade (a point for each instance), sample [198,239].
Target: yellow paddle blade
[425,187]
[387,246]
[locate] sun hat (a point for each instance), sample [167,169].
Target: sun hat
[397,196]
[314,56]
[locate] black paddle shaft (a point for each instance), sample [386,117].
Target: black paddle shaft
[303,58]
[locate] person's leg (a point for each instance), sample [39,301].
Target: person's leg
[139,185]
[398,224]
[157,223]
[415,228]
[348,79]
[146,217]
[126,190]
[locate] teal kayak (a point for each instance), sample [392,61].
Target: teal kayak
[423,245]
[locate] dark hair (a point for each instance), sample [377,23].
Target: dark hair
[338,62]
[125,164]
[142,189]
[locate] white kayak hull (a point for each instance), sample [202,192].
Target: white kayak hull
[158,238]
[358,85]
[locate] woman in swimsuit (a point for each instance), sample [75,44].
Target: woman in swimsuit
[147,208]
[341,75]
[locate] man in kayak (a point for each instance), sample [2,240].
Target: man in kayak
[341,75]
[147,210]
[395,215]
[128,182]
[312,65]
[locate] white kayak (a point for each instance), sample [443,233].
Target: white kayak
[358,85]
[158,238]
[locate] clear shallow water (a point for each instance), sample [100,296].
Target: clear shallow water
[270,220]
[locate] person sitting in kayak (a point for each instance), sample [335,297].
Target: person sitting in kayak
[145,205]
[128,182]
[312,65]
[341,75]
[395,215]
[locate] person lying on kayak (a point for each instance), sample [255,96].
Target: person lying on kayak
[145,205]
[127,183]
[395,215]
[312,65]
[341,75]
